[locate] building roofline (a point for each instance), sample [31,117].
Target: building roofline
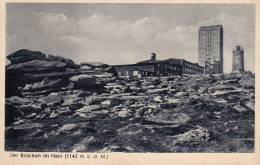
[137,64]
[211,27]
[148,62]
[184,60]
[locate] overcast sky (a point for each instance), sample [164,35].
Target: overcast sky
[127,33]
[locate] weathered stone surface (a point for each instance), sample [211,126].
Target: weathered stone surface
[45,84]
[36,66]
[15,100]
[124,113]
[240,108]
[157,91]
[65,111]
[65,74]
[248,80]
[29,109]
[198,113]
[68,127]
[83,78]
[89,108]
[166,118]
[86,82]
[94,64]
[72,104]
[104,75]
[85,67]
[11,113]
[69,63]
[25,127]
[250,105]
[87,144]
[194,136]
[225,93]
[25,55]
[53,99]
[98,67]
[116,149]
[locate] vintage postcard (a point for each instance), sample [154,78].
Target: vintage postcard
[129,83]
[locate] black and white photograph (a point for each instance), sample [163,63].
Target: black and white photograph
[130,78]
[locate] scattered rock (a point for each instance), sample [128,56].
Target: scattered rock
[157,91]
[225,93]
[220,100]
[86,82]
[87,144]
[166,118]
[19,122]
[115,149]
[15,100]
[199,135]
[250,105]
[123,113]
[53,99]
[158,99]
[66,129]
[240,108]
[45,84]
[31,116]
[29,109]
[85,67]
[248,81]
[230,81]
[89,108]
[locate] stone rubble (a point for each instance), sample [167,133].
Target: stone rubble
[86,108]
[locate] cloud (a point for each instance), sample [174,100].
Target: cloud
[52,18]
[119,38]
[52,22]
[73,39]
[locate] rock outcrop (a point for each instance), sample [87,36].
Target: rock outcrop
[69,63]
[88,109]
[31,70]
[25,55]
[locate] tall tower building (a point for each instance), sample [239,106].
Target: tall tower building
[238,60]
[211,48]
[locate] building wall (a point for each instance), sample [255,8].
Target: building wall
[157,69]
[187,67]
[133,70]
[211,47]
[211,68]
[167,69]
[191,68]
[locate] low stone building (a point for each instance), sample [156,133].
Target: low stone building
[135,70]
[149,69]
[187,67]
[158,68]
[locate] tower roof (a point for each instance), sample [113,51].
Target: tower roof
[211,27]
[238,47]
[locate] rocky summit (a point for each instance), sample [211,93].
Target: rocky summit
[53,104]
